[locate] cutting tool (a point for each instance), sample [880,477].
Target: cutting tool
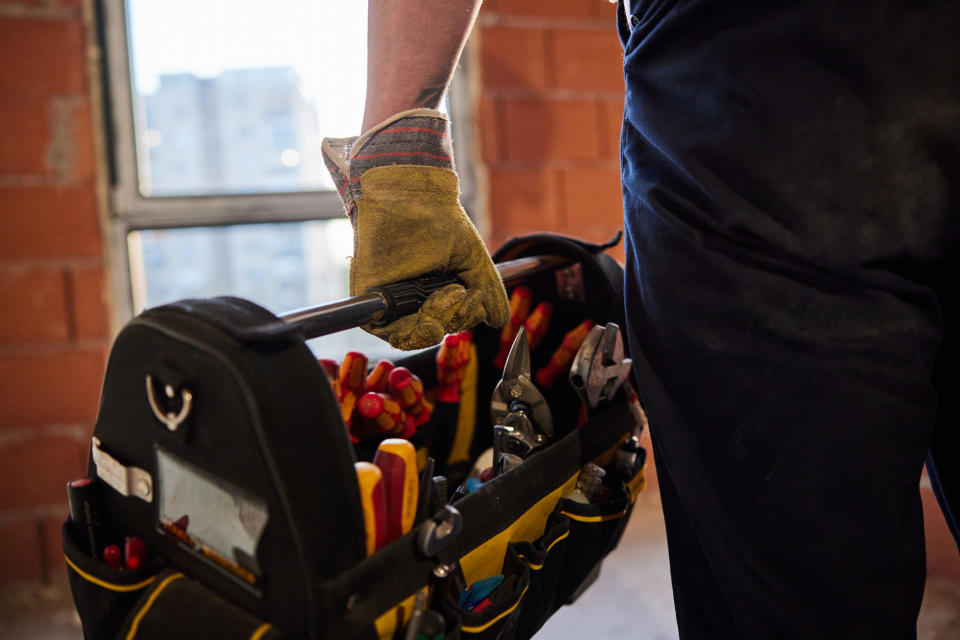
[518,410]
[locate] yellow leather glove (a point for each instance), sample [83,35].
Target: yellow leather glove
[401,194]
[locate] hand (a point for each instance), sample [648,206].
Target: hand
[401,193]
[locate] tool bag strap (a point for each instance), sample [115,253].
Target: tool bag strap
[356,597]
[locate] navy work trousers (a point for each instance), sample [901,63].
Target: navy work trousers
[792,207]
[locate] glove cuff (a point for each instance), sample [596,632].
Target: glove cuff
[415,137]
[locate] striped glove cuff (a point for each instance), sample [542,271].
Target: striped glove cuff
[416,137]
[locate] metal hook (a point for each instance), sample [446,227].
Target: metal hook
[170,419]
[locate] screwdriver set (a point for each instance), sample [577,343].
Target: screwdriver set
[246,489]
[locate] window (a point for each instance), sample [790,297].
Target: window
[217,111]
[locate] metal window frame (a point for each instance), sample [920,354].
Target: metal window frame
[130,210]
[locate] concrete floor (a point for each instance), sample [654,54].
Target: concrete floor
[632,598]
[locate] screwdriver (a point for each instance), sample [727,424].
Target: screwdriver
[560,361]
[353,373]
[373,501]
[397,460]
[332,368]
[352,382]
[383,416]
[452,359]
[537,324]
[377,380]
[407,389]
[520,301]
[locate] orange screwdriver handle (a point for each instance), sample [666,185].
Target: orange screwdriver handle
[332,368]
[450,366]
[382,415]
[374,502]
[422,416]
[377,380]
[353,373]
[407,388]
[538,323]
[397,460]
[520,301]
[560,361]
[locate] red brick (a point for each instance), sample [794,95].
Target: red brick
[91,317]
[591,206]
[512,58]
[26,133]
[20,562]
[42,57]
[540,129]
[551,8]
[36,470]
[489,124]
[53,4]
[49,222]
[32,306]
[591,197]
[51,548]
[585,59]
[51,387]
[523,201]
[942,559]
[84,160]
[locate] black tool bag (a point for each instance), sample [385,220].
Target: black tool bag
[219,442]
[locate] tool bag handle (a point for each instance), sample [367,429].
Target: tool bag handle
[382,305]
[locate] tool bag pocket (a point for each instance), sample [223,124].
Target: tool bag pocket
[545,558]
[174,606]
[502,610]
[595,530]
[104,595]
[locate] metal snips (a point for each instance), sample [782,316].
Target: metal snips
[519,412]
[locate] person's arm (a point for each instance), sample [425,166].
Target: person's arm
[412,49]
[398,182]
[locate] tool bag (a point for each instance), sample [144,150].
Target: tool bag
[220,443]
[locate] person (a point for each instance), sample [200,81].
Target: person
[790,189]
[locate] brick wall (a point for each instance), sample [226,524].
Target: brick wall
[549,109]
[53,310]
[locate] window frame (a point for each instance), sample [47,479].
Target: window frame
[129,210]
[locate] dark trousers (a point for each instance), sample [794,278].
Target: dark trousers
[791,183]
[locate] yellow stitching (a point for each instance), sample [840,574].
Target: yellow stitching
[122,588]
[467,413]
[261,631]
[609,516]
[480,628]
[149,603]
[537,567]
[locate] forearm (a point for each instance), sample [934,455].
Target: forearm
[412,49]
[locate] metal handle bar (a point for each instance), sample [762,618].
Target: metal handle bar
[385,304]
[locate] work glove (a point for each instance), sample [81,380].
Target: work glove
[401,194]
